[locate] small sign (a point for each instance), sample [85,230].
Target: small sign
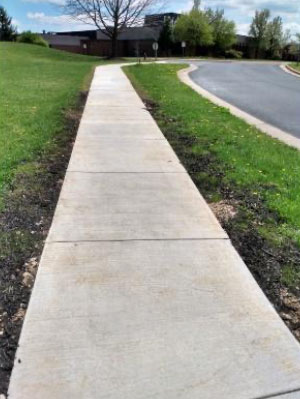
[155,46]
[183,44]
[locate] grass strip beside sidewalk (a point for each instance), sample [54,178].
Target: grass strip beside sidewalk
[250,180]
[37,85]
[43,92]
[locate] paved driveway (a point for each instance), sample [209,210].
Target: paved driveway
[263,90]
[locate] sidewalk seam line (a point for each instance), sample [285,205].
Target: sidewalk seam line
[126,173]
[276,395]
[139,239]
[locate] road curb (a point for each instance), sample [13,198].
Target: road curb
[290,70]
[272,131]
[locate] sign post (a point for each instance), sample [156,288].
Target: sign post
[155,48]
[183,45]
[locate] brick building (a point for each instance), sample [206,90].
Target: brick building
[132,41]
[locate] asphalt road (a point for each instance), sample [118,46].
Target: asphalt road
[263,90]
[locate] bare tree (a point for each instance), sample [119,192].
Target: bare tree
[110,16]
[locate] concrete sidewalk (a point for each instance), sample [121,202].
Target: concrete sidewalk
[139,293]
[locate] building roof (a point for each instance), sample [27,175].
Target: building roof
[135,33]
[242,39]
[64,40]
[159,19]
[91,33]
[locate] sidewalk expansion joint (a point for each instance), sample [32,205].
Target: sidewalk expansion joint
[140,239]
[93,104]
[127,173]
[129,138]
[278,394]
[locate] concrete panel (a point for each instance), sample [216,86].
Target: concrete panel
[123,155]
[121,206]
[117,129]
[94,113]
[152,319]
[114,80]
[113,73]
[122,99]
[109,87]
[116,83]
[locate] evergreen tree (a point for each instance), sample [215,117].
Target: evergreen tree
[7,30]
[166,36]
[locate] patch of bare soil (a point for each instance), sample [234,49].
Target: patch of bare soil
[241,214]
[223,210]
[24,224]
[290,311]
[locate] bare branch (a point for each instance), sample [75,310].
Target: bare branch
[109,16]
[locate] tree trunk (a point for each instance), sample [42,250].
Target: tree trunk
[115,33]
[257,52]
[114,45]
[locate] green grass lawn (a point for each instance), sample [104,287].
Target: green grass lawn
[37,84]
[229,159]
[296,66]
[40,107]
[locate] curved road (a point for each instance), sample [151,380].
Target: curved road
[263,90]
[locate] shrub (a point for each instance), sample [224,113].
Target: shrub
[234,54]
[32,38]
